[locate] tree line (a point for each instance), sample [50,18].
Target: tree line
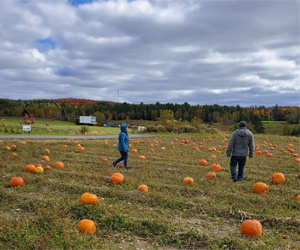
[70,108]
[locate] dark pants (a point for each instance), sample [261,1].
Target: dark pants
[241,161]
[124,157]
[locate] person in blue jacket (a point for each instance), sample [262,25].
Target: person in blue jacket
[123,146]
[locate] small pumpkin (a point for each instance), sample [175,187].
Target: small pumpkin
[88,198]
[142,157]
[133,151]
[143,188]
[117,178]
[216,167]
[59,165]
[251,228]
[278,178]
[188,180]
[203,163]
[260,188]
[45,158]
[7,148]
[87,226]
[14,154]
[46,150]
[80,148]
[39,170]
[298,197]
[104,159]
[47,168]
[16,182]
[30,168]
[211,175]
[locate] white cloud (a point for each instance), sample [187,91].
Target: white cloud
[151,50]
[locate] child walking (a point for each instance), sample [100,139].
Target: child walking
[123,146]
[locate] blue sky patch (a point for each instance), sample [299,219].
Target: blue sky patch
[44,45]
[78,2]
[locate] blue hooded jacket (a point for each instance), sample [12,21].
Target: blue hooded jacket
[123,139]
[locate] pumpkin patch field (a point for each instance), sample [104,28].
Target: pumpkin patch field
[177,194]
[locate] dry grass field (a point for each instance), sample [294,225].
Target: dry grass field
[44,213]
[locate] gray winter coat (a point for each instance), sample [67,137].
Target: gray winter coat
[240,142]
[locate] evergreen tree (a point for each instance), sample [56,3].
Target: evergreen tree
[257,124]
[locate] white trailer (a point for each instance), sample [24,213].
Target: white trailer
[86,120]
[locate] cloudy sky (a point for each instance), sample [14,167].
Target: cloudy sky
[229,52]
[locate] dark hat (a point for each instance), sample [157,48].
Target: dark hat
[242,124]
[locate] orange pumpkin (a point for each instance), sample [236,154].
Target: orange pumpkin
[297,160]
[46,150]
[251,228]
[16,182]
[258,152]
[59,165]
[260,187]
[188,180]
[47,168]
[80,148]
[104,159]
[278,178]
[298,197]
[211,175]
[133,151]
[45,158]
[88,198]
[143,188]
[87,226]
[269,155]
[117,178]
[14,154]
[7,148]
[216,167]
[142,158]
[30,168]
[203,163]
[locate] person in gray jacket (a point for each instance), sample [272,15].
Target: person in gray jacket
[241,142]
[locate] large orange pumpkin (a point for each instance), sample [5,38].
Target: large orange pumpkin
[30,168]
[117,178]
[203,163]
[59,165]
[188,180]
[16,182]
[260,187]
[143,188]
[88,198]
[251,228]
[87,226]
[278,178]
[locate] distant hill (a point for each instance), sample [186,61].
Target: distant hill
[75,102]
